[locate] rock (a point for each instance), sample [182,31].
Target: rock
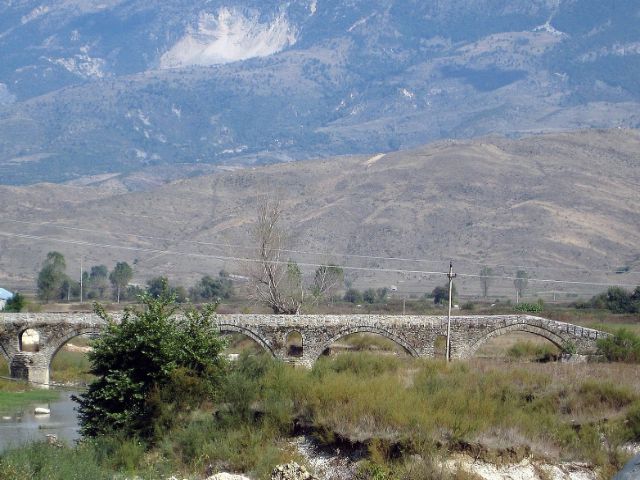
[53,440]
[41,411]
[291,471]
[227,476]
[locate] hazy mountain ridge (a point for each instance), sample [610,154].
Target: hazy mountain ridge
[561,201]
[87,92]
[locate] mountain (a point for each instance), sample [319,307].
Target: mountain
[160,90]
[564,206]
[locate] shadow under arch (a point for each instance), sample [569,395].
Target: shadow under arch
[295,343]
[368,329]
[230,328]
[553,337]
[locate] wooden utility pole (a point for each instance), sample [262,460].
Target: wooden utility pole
[81,273]
[451,276]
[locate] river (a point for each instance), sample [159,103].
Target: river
[24,426]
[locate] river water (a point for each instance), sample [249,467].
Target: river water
[24,426]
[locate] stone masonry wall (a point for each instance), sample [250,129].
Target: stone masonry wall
[416,334]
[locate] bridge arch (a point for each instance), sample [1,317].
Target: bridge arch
[553,337]
[231,328]
[368,329]
[60,342]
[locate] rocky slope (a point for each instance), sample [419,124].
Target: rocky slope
[175,88]
[564,205]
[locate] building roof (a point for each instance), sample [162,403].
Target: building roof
[5,294]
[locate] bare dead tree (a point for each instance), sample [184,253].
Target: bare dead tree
[275,280]
[327,280]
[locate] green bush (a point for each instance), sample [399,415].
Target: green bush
[529,307]
[135,359]
[623,346]
[617,300]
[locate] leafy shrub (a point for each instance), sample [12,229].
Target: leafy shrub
[624,346]
[16,304]
[529,307]
[137,357]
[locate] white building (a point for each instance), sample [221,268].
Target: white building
[4,296]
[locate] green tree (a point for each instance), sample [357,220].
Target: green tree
[98,281]
[369,295]
[382,293]
[51,277]
[142,355]
[211,289]
[157,285]
[520,283]
[16,304]
[120,277]
[441,294]
[353,295]
[486,274]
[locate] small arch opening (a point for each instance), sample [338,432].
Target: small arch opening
[70,364]
[29,341]
[519,346]
[294,345]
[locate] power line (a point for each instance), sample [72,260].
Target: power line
[304,264]
[301,252]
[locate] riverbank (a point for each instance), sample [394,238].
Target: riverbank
[15,395]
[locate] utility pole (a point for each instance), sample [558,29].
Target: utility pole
[81,279]
[451,276]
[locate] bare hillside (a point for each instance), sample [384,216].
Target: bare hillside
[566,206]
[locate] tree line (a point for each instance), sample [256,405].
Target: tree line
[100,283]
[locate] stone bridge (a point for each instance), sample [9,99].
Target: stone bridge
[417,335]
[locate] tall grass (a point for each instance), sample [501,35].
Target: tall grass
[408,413]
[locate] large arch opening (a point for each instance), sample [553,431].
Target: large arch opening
[524,343]
[240,340]
[70,362]
[370,340]
[29,340]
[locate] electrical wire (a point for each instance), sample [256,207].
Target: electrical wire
[326,255]
[304,264]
